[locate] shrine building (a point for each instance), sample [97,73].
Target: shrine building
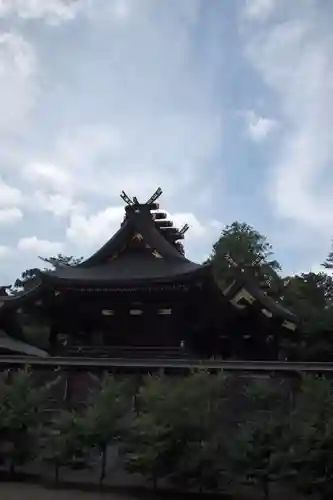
[139,295]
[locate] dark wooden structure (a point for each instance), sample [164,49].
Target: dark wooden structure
[139,296]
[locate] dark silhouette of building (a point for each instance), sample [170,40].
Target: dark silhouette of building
[139,295]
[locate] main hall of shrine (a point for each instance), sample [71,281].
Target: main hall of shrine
[140,295]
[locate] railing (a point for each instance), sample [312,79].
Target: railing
[87,363]
[131,352]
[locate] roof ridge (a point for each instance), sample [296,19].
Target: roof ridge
[138,219]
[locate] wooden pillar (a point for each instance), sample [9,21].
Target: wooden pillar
[275,331]
[68,389]
[53,339]
[138,381]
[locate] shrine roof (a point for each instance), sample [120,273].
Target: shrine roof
[271,304]
[13,345]
[145,248]
[260,296]
[140,223]
[131,267]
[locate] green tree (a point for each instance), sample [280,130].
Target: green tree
[313,430]
[147,445]
[248,249]
[260,453]
[67,442]
[29,324]
[328,262]
[200,444]
[108,417]
[27,279]
[21,415]
[147,448]
[310,296]
[175,434]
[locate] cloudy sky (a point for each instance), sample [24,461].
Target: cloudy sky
[225,104]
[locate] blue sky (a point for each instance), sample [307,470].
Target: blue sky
[225,104]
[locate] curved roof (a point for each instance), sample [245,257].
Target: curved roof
[110,247]
[131,267]
[259,295]
[13,345]
[153,258]
[138,221]
[21,297]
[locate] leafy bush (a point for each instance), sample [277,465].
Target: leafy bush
[176,432]
[108,416]
[21,416]
[66,442]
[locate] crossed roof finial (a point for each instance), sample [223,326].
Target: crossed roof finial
[268,273]
[155,196]
[126,198]
[242,266]
[230,260]
[134,201]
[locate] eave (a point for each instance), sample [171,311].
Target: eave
[85,278]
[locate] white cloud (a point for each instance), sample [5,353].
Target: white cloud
[137,156]
[9,216]
[121,9]
[294,60]
[4,251]
[52,11]
[198,229]
[18,68]
[104,159]
[201,235]
[93,230]
[79,127]
[259,127]
[260,10]
[46,174]
[9,195]
[58,204]
[156,125]
[36,246]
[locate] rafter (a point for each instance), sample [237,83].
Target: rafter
[184,229]
[155,196]
[126,199]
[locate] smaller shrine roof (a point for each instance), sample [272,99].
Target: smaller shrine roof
[12,345]
[22,297]
[260,296]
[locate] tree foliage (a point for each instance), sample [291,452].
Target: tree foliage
[180,432]
[310,296]
[313,429]
[67,442]
[328,262]
[175,433]
[21,411]
[29,324]
[261,449]
[108,416]
[27,279]
[248,249]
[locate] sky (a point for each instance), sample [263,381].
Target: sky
[225,104]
